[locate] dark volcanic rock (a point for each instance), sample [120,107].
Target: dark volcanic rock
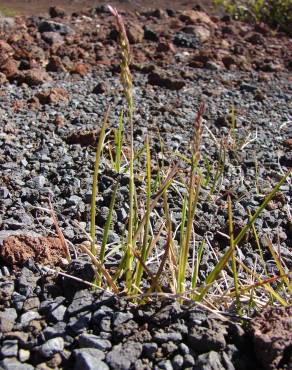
[51,26]
[123,355]
[161,79]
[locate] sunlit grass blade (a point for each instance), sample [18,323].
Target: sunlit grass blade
[155,282]
[242,233]
[59,232]
[227,255]
[110,150]
[232,247]
[265,283]
[280,268]
[166,183]
[95,179]
[196,266]
[119,142]
[108,224]
[183,222]
[193,195]
[257,240]
[144,255]
[100,268]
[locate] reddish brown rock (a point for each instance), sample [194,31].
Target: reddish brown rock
[80,69]
[201,58]
[33,77]
[3,78]
[288,143]
[6,51]
[194,17]
[201,32]
[272,337]
[53,96]
[55,65]
[17,249]
[59,120]
[33,103]
[228,61]
[165,47]
[135,33]
[10,68]
[56,11]
[160,78]
[83,137]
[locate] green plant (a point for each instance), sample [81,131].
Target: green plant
[151,233]
[126,79]
[276,13]
[189,211]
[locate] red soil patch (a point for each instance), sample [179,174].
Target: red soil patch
[17,249]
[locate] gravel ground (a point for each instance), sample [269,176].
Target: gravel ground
[57,77]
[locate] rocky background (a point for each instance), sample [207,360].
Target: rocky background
[58,73]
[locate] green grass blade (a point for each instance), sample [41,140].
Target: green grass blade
[119,142]
[183,222]
[108,224]
[232,247]
[166,183]
[262,283]
[95,179]
[144,251]
[226,257]
[280,268]
[197,265]
[260,209]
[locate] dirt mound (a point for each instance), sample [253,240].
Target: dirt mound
[17,249]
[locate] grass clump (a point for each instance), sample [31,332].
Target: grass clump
[276,13]
[150,233]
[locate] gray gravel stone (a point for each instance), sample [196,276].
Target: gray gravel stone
[51,26]
[9,348]
[52,346]
[94,352]
[7,319]
[58,330]
[85,361]
[209,361]
[27,281]
[13,364]
[189,361]
[121,317]
[164,365]
[78,324]
[57,314]
[205,340]
[93,341]
[123,355]
[149,349]
[82,301]
[27,317]
[177,362]
[166,337]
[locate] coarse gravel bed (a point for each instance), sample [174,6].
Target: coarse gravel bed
[47,151]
